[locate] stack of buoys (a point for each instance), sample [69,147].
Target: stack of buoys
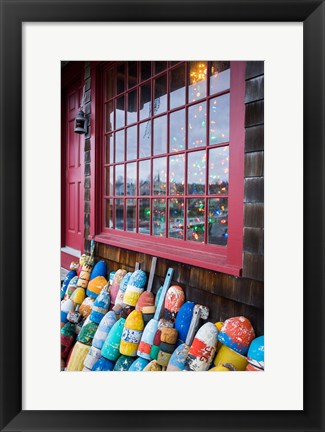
[135,288]
[115,286]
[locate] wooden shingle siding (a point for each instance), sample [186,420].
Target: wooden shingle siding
[254,240]
[254,164]
[254,68]
[254,113]
[254,138]
[254,215]
[254,89]
[254,189]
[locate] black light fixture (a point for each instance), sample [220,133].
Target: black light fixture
[80,122]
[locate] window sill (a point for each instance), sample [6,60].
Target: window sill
[210,261]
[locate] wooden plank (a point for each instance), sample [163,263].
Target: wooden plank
[254,113]
[254,189]
[253,266]
[254,138]
[254,240]
[254,89]
[254,215]
[254,164]
[254,68]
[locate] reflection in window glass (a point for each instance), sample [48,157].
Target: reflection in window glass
[119,146]
[131,114]
[145,139]
[159,175]
[160,66]
[109,116]
[109,150]
[133,74]
[110,83]
[176,218]
[219,119]
[160,135]
[119,214]
[109,181]
[120,78]
[219,76]
[131,215]
[195,220]
[145,70]
[131,142]
[159,217]
[177,87]
[218,221]
[144,177]
[218,170]
[198,80]
[131,179]
[144,216]
[145,101]
[177,131]
[176,174]
[120,113]
[119,180]
[197,125]
[109,213]
[160,102]
[196,167]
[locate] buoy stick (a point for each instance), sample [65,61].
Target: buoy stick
[199,312]
[152,273]
[166,285]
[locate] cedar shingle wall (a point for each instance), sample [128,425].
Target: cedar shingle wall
[225,295]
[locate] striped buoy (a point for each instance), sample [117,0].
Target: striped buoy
[156,340]
[104,328]
[111,346]
[168,339]
[75,315]
[148,312]
[86,307]
[71,287]
[92,356]
[66,307]
[101,306]
[123,285]
[67,279]
[84,276]
[135,287]
[77,357]
[132,333]
[203,348]
[237,333]
[118,277]
[95,286]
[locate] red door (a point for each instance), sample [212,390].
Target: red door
[73,147]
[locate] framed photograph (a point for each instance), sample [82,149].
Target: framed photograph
[145,130]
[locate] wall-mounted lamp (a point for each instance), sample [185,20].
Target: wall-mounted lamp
[80,122]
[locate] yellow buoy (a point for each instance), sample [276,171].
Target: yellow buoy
[227,355]
[219,368]
[78,296]
[77,358]
[132,333]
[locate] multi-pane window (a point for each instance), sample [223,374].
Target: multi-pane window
[166,150]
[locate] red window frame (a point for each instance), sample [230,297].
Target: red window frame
[226,259]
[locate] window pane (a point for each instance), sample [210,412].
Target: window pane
[176,218]
[119,214]
[195,220]
[131,143]
[197,125]
[218,170]
[119,146]
[144,177]
[159,176]
[196,169]
[160,102]
[160,135]
[120,114]
[145,101]
[176,174]
[145,70]
[219,76]
[219,119]
[145,139]
[177,87]
[119,180]
[133,74]
[120,78]
[131,215]
[159,217]
[177,131]
[131,179]
[109,116]
[131,114]
[160,66]
[198,80]
[144,216]
[110,83]
[109,213]
[109,150]
[218,221]
[109,181]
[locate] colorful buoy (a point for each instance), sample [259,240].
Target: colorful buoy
[104,328]
[227,355]
[118,277]
[183,321]
[95,286]
[132,333]
[77,357]
[92,357]
[103,365]
[87,332]
[67,279]
[68,334]
[123,285]
[135,287]
[123,363]
[71,287]
[100,269]
[86,307]
[203,348]
[255,354]
[101,305]
[138,365]
[173,302]
[237,333]
[111,346]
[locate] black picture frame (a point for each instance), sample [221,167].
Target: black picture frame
[13,14]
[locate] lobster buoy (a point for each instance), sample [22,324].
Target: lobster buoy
[148,312]
[104,328]
[156,340]
[87,332]
[168,339]
[229,356]
[84,275]
[255,355]
[123,285]
[132,333]
[135,287]
[146,299]
[68,334]
[86,307]
[71,287]
[203,348]
[173,302]
[138,365]
[123,364]
[101,306]
[100,269]
[153,366]
[237,333]
[75,316]
[74,265]
[95,286]
[251,368]
[118,277]
[66,307]
[77,357]
[183,321]
[111,346]
[103,365]
[67,279]
[91,358]
[78,295]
